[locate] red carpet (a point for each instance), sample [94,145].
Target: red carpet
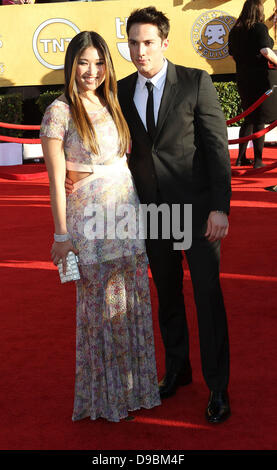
[37,336]
[26,172]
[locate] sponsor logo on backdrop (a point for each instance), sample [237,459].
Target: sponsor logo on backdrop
[51,39]
[120,29]
[210,32]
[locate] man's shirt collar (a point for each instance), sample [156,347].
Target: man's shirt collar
[158,79]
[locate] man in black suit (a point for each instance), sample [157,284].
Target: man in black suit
[180,156]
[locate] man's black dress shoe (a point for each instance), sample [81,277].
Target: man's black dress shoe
[218,407]
[271,188]
[258,164]
[172,381]
[244,162]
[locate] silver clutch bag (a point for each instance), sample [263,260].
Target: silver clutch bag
[72,270]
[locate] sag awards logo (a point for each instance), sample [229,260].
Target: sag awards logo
[210,34]
[50,41]
[122,47]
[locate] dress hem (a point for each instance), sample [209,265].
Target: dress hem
[115,420]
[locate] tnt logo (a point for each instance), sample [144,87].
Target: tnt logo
[210,34]
[120,28]
[50,41]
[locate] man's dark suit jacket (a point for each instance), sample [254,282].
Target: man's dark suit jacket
[188,162]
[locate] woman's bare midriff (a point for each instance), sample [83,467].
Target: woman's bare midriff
[77,175]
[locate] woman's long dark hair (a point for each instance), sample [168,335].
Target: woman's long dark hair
[252,12]
[108,90]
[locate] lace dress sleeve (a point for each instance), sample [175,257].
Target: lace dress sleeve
[55,121]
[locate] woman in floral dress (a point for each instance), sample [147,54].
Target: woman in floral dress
[84,135]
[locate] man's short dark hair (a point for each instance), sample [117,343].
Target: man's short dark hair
[150,15]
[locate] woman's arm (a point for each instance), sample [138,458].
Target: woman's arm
[55,164]
[269,55]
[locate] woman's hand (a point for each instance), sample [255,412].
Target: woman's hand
[59,251]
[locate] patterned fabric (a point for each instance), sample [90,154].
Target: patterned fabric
[58,124]
[115,365]
[90,214]
[115,355]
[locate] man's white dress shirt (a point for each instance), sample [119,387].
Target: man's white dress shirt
[141,93]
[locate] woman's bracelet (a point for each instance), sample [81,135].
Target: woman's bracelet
[61,238]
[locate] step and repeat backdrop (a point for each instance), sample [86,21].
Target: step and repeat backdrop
[34,38]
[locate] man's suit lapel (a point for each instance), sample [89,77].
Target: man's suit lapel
[170,90]
[133,117]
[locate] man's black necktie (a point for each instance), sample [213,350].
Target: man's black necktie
[150,120]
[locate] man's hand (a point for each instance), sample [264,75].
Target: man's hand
[217,226]
[68,185]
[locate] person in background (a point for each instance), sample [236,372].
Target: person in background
[85,133]
[251,47]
